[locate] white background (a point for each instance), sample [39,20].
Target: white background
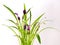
[52,12]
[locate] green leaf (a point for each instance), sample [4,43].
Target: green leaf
[24,7]
[46,28]
[28,10]
[37,19]
[18,27]
[12,21]
[25,22]
[17,36]
[31,37]
[14,27]
[35,22]
[25,17]
[36,28]
[10,11]
[10,28]
[38,37]
[30,16]
[32,29]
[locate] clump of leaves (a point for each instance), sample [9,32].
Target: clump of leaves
[26,31]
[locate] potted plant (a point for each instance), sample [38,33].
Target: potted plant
[27,31]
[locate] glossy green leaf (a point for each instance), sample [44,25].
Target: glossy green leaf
[38,37]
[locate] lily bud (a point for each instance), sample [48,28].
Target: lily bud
[24,27]
[18,18]
[24,11]
[16,14]
[28,27]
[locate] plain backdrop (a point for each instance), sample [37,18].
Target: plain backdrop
[51,8]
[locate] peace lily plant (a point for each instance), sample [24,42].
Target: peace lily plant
[27,31]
